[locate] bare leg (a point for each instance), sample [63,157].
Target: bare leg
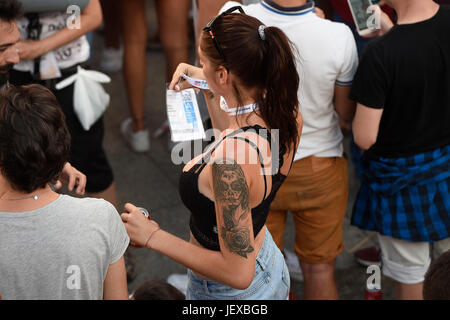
[111,18]
[319,281]
[134,32]
[207,10]
[173,32]
[409,291]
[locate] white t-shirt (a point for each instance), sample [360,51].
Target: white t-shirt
[66,56]
[327,56]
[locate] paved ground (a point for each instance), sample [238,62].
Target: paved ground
[151,180]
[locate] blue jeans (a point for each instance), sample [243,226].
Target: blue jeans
[271,280]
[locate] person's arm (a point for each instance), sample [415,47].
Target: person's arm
[369,90]
[234,264]
[345,107]
[211,264]
[90,19]
[115,284]
[73,178]
[319,12]
[348,62]
[366,125]
[230,183]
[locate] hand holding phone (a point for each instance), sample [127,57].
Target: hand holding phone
[365,15]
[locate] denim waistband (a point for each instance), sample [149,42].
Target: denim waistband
[266,253]
[264,260]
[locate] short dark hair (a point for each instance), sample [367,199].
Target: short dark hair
[34,139]
[10,10]
[158,290]
[437,279]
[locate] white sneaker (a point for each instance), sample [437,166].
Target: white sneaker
[138,141]
[111,60]
[179,281]
[293,265]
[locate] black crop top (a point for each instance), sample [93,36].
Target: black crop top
[203,222]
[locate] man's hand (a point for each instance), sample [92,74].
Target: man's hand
[72,177]
[319,12]
[29,49]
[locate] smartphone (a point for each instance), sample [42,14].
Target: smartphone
[361,15]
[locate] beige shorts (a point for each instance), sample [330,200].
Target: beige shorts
[315,193]
[407,262]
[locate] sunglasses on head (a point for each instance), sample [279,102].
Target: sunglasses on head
[209,26]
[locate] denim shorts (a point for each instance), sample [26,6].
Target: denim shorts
[270,282]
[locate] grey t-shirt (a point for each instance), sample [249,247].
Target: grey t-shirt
[60,251]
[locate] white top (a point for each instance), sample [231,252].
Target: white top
[327,56]
[66,56]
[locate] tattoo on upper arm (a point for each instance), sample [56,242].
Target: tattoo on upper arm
[232,197]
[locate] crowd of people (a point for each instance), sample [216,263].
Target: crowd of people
[303,80]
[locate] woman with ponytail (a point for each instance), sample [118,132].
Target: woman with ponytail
[316,191]
[229,188]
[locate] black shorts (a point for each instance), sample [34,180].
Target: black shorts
[87,154]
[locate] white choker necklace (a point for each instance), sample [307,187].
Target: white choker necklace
[238,110]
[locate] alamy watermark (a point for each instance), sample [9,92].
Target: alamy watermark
[73,281]
[374,20]
[74,20]
[374,281]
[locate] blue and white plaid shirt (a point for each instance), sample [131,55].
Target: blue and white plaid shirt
[406,198]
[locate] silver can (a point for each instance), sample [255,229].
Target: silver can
[144,212]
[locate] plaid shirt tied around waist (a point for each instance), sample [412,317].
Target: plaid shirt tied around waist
[406,198]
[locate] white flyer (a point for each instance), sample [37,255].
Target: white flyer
[49,68]
[184,116]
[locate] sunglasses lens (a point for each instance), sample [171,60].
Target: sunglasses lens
[208,28]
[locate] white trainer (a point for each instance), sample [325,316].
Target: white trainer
[138,141]
[293,265]
[111,60]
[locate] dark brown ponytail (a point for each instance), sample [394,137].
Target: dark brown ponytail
[265,62]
